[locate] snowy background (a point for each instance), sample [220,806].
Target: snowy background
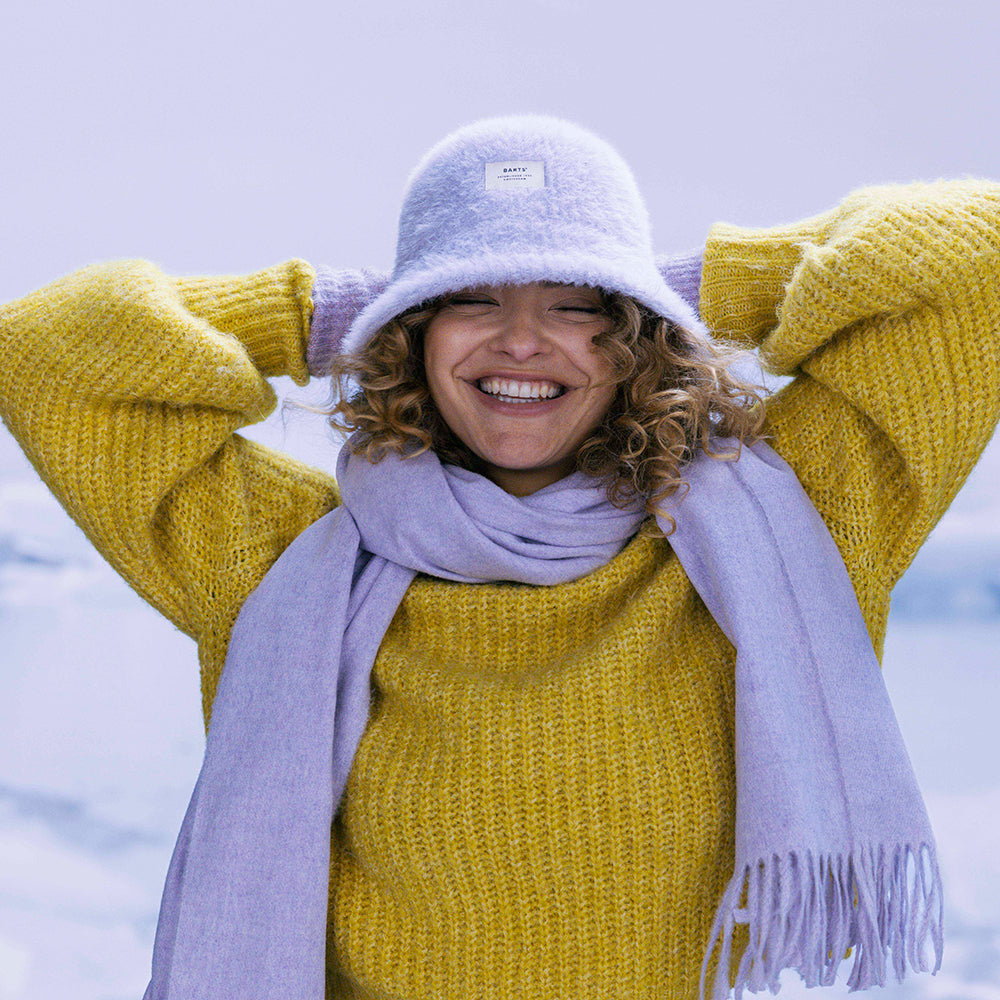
[222,137]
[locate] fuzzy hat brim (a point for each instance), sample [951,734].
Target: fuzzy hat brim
[642,281]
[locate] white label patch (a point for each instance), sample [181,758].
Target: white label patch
[515,175]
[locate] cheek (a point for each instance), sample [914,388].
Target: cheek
[602,404]
[435,363]
[432,373]
[602,376]
[442,353]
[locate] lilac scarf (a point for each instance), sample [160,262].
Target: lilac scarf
[833,846]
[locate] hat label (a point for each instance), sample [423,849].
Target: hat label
[515,175]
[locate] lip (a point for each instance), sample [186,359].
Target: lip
[537,408]
[514,376]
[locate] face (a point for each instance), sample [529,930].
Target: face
[514,372]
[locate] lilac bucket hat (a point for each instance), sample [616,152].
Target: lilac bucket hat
[516,200]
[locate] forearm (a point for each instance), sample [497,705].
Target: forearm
[125,388]
[886,311]
[884,250]
[268,312]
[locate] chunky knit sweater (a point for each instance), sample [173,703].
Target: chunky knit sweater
[542,803]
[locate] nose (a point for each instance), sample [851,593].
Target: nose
[521,336]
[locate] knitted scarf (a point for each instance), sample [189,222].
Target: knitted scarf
[833,846]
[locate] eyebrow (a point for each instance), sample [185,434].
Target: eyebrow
[562,284]
[541,284]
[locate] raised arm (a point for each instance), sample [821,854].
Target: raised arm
[887,312]
[125,388]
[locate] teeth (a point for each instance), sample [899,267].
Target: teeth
[515,391]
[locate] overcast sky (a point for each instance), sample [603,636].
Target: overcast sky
[221,136]
[215,136]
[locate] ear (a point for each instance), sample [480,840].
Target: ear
[337,298]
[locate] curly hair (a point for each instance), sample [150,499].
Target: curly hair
[674,393]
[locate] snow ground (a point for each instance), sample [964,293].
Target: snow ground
[101,738]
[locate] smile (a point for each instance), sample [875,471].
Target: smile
[508,390]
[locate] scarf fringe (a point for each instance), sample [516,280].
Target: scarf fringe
[808,912]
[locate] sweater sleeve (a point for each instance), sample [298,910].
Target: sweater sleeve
[125,388]
[886,311]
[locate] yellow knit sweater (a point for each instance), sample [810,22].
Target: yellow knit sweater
[542,804]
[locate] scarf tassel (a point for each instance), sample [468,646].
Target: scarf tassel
[809,912]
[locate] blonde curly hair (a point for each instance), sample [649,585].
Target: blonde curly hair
[675,392]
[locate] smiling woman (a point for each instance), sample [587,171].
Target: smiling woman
[567,685]
[516,376]
[527,383]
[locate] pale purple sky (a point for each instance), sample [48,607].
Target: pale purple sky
[222,136]
[218,137]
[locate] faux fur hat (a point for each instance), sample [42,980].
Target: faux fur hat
[516,200]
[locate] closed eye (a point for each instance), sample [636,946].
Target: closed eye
[469,300]
[580,314]
[465,299]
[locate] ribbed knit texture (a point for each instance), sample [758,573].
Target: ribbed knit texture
[542,804]
[337,297]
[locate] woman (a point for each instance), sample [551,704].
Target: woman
[603,754]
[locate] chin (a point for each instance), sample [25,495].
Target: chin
[519,463]
[548,467]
